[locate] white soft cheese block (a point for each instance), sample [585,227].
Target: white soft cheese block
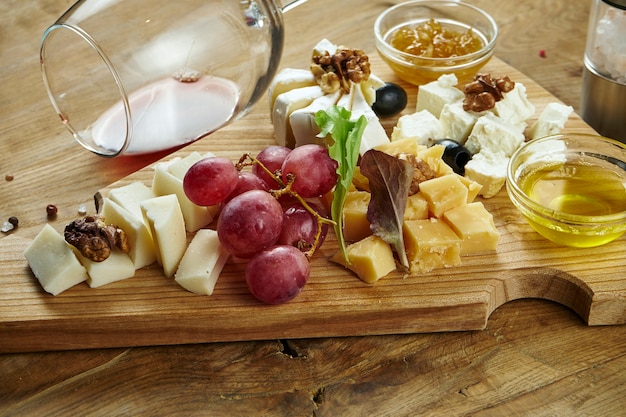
[165,219]
[422,126]
[202,263]
[164,183]
[131,195]
[116,267]
[456,123]
[515,108]
[302,121]
[285,104]
[436,94]
[489,170]
[53,262]
[493,134]
[289,79]
[369,87]
[551,120]
[142,250]
[374,133]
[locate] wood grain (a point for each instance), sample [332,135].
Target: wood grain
[534,357]
[151,310]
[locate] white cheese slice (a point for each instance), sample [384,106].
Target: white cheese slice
[179,167]
[116,267]
[324,46]
[142,250]
[422,126]
[53,262]
[515,108]
[285,104]
[164,183]
[202,263]
[490,133]
[302,121]
[551,120]
[369,87]
[456,123]
[289,79]
[165,220]
[131,195]
[489,170]
[374,133]
[434,95]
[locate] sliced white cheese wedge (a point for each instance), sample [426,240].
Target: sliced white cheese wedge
[285,104]
[369,87]
[202,263]
[179,167]
[302,121]
[164,183]
[165,220]
[286,80]
[116,267]
[142,250]
[53,262]
[131,195]
[374,133]
[324,46]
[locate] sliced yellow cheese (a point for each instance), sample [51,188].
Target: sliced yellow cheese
[142,250]
[475,226]
[202,263]
[431,244]
[53,262]
[165,220]
[116,267]
[355,223]
[416,207]
[370,259]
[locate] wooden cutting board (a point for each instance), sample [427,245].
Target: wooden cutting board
[150,309]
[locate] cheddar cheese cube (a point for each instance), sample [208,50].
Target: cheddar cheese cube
[355,223]
[370,259]
[475,226]
[431,244]
[444,193]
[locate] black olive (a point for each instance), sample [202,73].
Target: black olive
[455,155]
[390,100]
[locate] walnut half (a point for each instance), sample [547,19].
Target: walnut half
[421,172]
[336,71]
[483,93]
[94,239]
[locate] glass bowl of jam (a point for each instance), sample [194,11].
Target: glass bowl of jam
[422,40]
[571,188]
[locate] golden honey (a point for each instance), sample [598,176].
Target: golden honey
[569,191]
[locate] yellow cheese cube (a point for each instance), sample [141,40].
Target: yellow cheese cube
[370,258]
[444,193]
[433,157]
[416,207]
[360,181]
[431,244]
[355,223]
[394,148]
[473,188]
[475,226]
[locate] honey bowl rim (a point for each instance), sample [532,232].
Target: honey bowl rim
[593,223]
[409,59]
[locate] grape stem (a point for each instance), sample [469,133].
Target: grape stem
[285,189]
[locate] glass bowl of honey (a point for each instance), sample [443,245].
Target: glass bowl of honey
[571,188]
[422,40]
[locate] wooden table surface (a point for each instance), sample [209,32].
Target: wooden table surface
[534,358]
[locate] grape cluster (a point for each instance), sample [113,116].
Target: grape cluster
[267,215]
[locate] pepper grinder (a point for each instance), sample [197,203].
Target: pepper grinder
[603,98]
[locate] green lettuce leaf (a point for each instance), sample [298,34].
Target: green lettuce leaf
[389,179]
[346,135]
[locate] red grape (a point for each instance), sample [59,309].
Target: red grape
[210,180]
[277,274]
[272,158]
[250,223]
[300,227]
[247,181]
[315,171]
